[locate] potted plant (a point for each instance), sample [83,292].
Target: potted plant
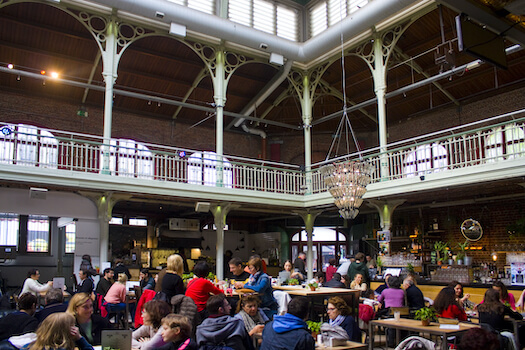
[379,264]
[425,314]
[313,285]
[314,328]
[293,282]
[441,249]
[462,255]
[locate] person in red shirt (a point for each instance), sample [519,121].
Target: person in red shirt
[199,289]
[447,306]
[331,269]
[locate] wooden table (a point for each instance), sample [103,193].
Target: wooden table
[416,326]
[349,345]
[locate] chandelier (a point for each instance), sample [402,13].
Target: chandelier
[346,181]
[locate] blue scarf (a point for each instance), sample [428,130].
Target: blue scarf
[254,277]
[338,320]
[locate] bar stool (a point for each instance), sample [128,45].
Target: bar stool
[120,315]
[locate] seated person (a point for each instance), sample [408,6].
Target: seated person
[358,283]
[505,296]
[106,281]
[237,270]
[335,282]
[149,335]
[86,284]
[221,328]
[447,306]
[146,280]
[199,289]
[248,312]
[54,303]
[339,315]
[58,332]
[293,274]
[320,278]
[21,321]
[90,325]
[116,296]
[289,331]
[176,333]
[261,283]
[462,298]
[492,311]
[31,284]
[479,338]
[415,298]
[393,296]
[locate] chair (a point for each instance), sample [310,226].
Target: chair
[404,311]
[186,307]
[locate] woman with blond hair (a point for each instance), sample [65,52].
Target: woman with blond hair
[172,283]
[58,331]
[91,325]
[260,282]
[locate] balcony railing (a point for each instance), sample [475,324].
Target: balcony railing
[492,140]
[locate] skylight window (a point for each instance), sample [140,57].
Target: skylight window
[266,16]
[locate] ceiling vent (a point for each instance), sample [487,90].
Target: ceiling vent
[176,224]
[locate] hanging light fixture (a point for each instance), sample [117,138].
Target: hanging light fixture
[346,179]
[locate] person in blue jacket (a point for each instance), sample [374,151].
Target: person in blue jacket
[261,283]
[289,331]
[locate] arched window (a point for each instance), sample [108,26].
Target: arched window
[130,159]
[505,143]
[27,145]
[202,169]
[425,159]
[328,243]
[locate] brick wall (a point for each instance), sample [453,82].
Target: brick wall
[44,112]
[495,218]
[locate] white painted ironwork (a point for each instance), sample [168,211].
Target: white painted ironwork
[444,151]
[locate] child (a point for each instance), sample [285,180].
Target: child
[176,333]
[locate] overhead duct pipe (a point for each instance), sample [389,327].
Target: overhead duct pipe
[353,25]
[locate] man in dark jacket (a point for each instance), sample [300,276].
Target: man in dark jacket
[22,321]
[220,329]
[289,332]
[414,295]
[300,263]
[86,284]
[359,266]
[335,282]
[105,282]
[54,303]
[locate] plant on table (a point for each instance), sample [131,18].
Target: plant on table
[293,282]
[313,285]
[425,314]
[314,327]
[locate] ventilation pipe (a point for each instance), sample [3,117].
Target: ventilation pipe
[353,25]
